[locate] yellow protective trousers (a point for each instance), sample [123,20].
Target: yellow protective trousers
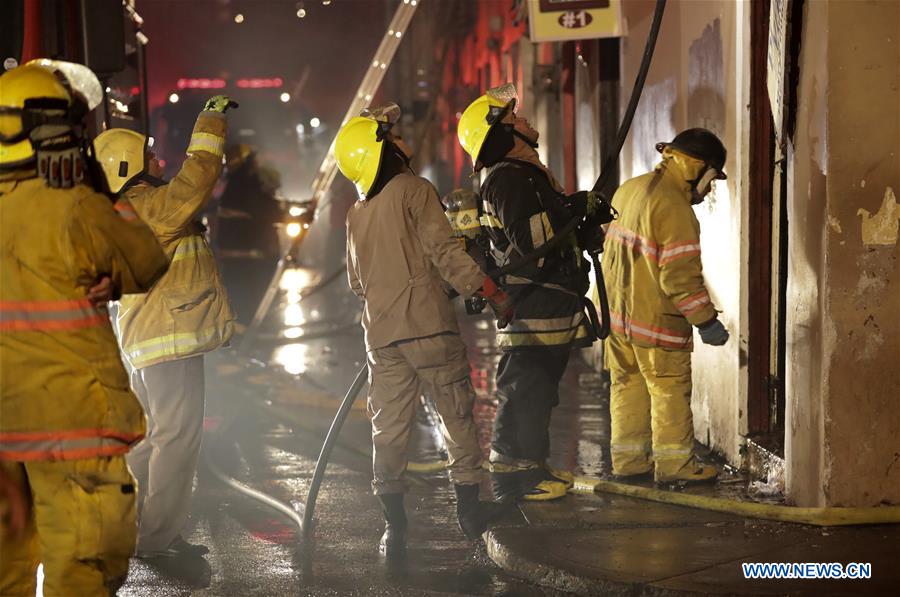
[82,528]
[650,408]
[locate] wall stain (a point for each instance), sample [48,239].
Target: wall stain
[884,227]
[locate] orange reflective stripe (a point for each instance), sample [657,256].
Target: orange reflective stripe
[22,456]
[126,211]
[693,303]
[633,241]
[649,333]
[66,444]
[49,315]
[673,251]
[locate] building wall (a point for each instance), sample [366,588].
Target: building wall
[697,79]
[843,401]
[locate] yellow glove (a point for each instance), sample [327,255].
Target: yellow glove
[219,103]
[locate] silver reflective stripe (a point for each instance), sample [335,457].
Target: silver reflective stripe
[629,448]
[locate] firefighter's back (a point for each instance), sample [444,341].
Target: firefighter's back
[59,363]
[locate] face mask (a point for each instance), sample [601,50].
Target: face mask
[702,185]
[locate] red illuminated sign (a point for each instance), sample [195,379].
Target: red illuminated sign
[260,83]
[201,83]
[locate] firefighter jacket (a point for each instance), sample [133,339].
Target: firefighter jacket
[521,212]
[399,249]
[187,311]
[654,278]
[64,393]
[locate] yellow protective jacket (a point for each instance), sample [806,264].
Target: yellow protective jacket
[654,277]
[187,311]
[64,393]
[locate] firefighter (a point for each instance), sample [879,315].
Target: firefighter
[399,248]
[165,332]
[656,294]
[67,416]
[523,206]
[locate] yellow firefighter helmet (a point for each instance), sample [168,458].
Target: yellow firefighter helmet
[18,87]
[358,151]
[122,155]
[480,117]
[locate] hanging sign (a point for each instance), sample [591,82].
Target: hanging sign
[561,20]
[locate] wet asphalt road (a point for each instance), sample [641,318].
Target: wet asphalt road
[266,418]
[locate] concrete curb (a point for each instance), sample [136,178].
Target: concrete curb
[565,581]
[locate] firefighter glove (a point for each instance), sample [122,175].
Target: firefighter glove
[713,333]
[219,103]
[500,302]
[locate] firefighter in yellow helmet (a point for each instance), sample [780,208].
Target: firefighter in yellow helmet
[399,249]
[524,205]
[165,332]
[656,294]
[67,416]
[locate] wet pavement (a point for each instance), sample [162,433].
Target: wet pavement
[269,407]
[268,410]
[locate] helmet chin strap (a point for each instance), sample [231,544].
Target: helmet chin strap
[529,142]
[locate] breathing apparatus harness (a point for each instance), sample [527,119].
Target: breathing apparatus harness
[589,228]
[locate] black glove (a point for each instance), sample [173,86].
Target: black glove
[577,204]
[713,333]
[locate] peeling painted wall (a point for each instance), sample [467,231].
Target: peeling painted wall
[843,441]
[696,80]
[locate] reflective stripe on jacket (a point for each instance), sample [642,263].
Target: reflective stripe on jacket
[523,210]
[654,277]
[187,311]
[63,390]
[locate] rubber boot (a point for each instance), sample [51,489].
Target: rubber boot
[505,482]
[393,541]
[539,485]
[694,473]
[473,515]
[565,477]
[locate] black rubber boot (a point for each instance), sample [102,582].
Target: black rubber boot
[507,487]
[393,541]
[474,515]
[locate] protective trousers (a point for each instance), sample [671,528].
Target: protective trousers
[650,407]
[527,390]
[172,394]
[81,527]
[396,371]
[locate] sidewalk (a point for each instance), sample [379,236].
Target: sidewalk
[611,545]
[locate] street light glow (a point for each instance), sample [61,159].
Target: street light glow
[314,122]
[293,229]
[238,18]
[285,97]
[173,98]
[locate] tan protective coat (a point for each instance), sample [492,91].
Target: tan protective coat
[399,248]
